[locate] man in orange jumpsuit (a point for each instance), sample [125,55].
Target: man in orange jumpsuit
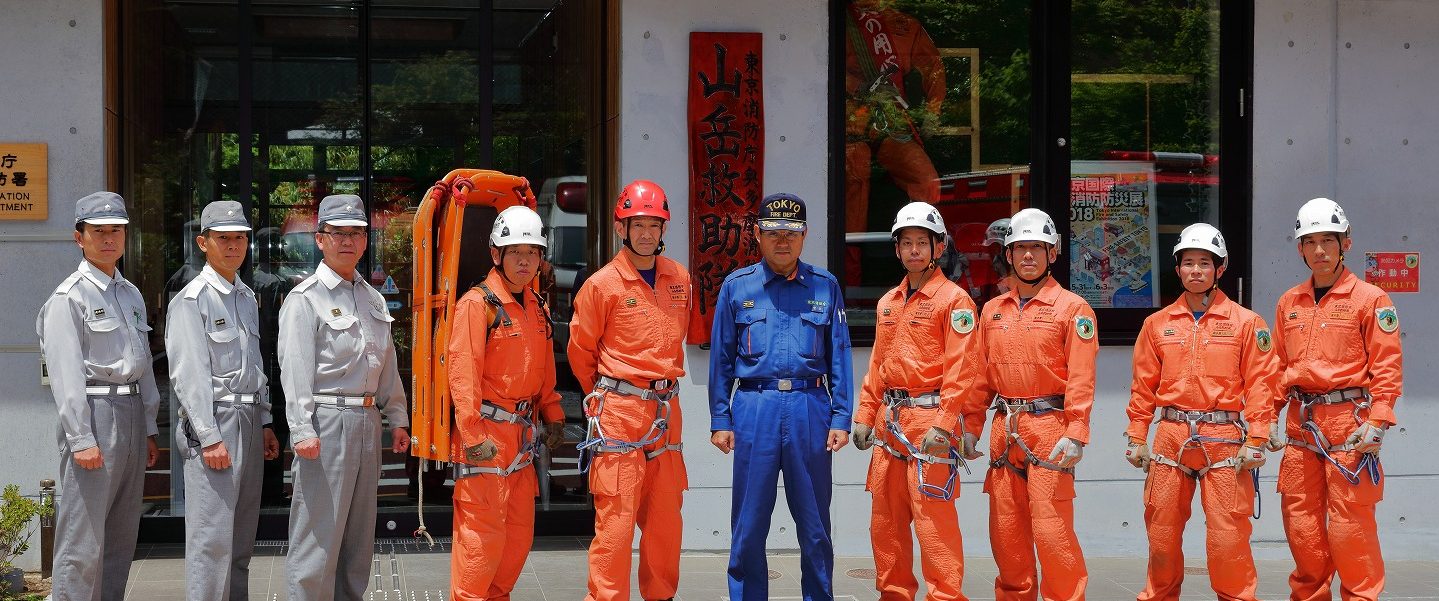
[626,344]
[1338,341]
[925,359]
[1204,366]
[1039,342]
[502,374]
[885,45]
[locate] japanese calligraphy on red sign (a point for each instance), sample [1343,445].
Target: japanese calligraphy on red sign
[1392,271]
[726,139]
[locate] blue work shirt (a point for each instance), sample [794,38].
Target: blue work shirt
[767,326]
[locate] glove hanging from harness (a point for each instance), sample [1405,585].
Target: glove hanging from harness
[597,441]
[1317,443]
[895,399]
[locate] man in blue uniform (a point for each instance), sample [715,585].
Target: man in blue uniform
[779,329]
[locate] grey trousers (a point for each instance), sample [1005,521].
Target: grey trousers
[332,509]
[98,514]
[222,507]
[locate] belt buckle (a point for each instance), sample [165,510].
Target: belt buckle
[785,385]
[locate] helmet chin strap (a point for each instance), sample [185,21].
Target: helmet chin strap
[658,249]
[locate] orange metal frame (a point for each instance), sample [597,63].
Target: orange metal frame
[437,231]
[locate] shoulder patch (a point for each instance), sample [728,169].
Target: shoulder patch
[1388,319]
[962,320]
[1263,339]
[1084,327]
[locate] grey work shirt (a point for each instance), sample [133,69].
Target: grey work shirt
[93,330]
[212,335]
[335,340]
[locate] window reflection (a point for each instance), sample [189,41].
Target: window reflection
[299,115]
[936,109]
[1145,133]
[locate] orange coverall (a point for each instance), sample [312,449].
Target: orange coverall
[905,160]
[1048,347]
[624,329]
[923,344]
[1350,338]
[1223,362]
[495,514]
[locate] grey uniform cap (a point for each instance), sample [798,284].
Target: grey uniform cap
[101,208]
[224,216]
[343,210]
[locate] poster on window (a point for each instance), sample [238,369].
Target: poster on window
[1114,233]
[726,156]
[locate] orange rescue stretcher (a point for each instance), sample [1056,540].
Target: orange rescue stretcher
[451,254]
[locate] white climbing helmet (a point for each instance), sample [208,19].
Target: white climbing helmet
[517,225]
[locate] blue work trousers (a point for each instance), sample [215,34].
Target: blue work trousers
[778,431]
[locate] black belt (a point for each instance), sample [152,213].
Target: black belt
[781,384]
[1334,397]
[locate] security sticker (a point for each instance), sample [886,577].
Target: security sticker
[962,320]
[1084,326]
[1263,339]
[1388,319]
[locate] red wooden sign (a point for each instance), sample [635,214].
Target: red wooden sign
[726,139]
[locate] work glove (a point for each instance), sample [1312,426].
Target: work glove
[554,434]
[971,447]
[1138,454]
[935,441]
[1250,457]
[482,452]
[1067,452]
[1276,437]
[1367,438]
[863,436]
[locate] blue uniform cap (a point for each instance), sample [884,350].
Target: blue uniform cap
[782,211]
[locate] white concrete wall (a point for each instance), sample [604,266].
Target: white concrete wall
[654,60]
[1354,95]
[1347,110]
[53,74]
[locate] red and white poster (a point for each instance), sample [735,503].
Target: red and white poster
[1392,271]
[726,152]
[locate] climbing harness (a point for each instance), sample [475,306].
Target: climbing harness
[1010,409]
[523,459]
[1359,396]
[1196,442]
[597,441]
[895,400]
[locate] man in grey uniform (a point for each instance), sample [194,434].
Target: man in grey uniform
[337,366]
[94,336]
[212,336]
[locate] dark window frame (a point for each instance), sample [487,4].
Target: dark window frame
[1050,28]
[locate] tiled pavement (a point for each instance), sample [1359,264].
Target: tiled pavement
[556,571]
